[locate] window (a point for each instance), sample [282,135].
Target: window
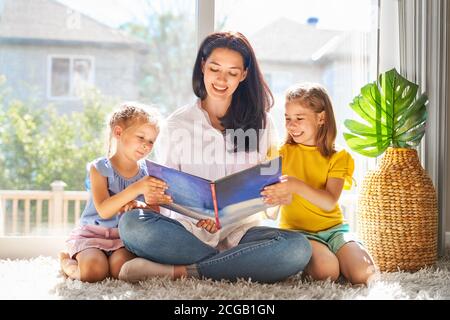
[60,76]
[69,76]
[144,50]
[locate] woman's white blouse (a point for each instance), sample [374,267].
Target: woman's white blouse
[188,142]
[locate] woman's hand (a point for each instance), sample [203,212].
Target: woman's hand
[280,193]
[207,224]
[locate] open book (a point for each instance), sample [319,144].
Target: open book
[226,200]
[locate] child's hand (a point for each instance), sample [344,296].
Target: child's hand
[150,185]
[280,193]
[207,224]
[133,204]
[153,199]
[153,190]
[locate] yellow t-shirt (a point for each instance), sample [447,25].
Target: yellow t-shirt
[307,164]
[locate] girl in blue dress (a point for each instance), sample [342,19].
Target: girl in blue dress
[118,183]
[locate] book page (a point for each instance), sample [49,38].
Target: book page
[238,195]
[190,194]
[191,212]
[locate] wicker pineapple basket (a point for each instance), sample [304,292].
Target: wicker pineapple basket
[398,213]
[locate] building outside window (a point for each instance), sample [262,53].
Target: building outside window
[70,76]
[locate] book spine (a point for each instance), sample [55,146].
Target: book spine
[216,208]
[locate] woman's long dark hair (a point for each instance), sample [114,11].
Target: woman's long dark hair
[252,98]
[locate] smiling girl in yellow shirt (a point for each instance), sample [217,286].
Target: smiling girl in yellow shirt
[314,174]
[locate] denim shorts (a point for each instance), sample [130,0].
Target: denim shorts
[334,238]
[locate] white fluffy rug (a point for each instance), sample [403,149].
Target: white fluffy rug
[40,278]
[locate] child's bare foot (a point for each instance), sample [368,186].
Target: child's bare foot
[66,262]
[63,256]
[69,266]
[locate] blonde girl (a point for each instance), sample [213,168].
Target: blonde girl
[314,175]
[118,183]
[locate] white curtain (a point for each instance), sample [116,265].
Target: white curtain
[424,60]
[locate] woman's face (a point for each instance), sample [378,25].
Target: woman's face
[223,70]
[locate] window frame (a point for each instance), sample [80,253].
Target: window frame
[71,59]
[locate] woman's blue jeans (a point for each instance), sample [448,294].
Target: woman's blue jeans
[264,254]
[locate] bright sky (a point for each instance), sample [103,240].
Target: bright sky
[332,14]
[110,12]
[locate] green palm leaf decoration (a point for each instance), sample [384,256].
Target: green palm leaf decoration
[394,118]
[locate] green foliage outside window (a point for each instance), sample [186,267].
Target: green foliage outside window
[167,69]
[39,145]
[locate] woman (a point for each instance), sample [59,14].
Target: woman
[227,130]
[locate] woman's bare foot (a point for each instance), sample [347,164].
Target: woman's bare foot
[179,272]
[140,269]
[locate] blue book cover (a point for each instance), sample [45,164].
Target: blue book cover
[227,200]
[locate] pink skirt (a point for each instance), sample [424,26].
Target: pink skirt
[91,236]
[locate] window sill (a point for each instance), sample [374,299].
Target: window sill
[24,247]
